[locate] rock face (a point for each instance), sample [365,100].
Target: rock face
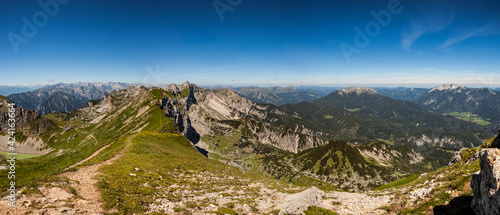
[177,108]
[22,116]
[297,203]
[486,183]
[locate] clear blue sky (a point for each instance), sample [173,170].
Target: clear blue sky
[258,42]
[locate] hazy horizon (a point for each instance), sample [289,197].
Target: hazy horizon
[37,86]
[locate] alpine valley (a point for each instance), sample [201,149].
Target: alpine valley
[117,148]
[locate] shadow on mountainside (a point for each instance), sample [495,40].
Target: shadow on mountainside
[193,136]
[202,151]
[458,205]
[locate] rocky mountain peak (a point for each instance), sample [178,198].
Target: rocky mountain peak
[359,90]
[185,84]
[445,87]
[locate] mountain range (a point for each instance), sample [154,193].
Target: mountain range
[480,105]
[402,93]
[159,146]
[63,97]
[278,95]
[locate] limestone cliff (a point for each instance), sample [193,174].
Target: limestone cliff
[486,183]
[198,113]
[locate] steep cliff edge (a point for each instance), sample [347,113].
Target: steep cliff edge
[486,183]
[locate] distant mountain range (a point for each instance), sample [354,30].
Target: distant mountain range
[322,90]
[278,95]
[480,105]
[408,116]
[291,95]
[63,97]
[402,93]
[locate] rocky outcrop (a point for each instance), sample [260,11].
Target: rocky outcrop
[297,203]
[456,157]
[171,110]
[435,140]
[177,107]
[22,116]
[486,183]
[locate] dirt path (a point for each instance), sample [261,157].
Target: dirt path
[55,199]
[84,181]
[89,157]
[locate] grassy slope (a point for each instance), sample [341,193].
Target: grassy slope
[78,143]
[339,161]
[397,183]
[21,156]
[160,165]
[468,116]
[452,195]
[260,158]
[149,152]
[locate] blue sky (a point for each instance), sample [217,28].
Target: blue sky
[270,42]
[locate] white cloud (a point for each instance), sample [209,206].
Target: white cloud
[491,28]
[434,17]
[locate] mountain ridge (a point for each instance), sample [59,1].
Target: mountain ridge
[292,146]
[448,99]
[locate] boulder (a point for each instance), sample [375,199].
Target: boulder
[456,157]
[297,203]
